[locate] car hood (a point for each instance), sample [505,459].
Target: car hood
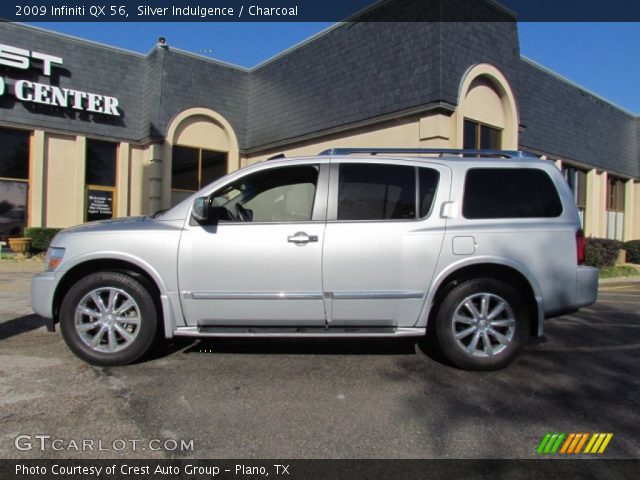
[131,224]
[106,225]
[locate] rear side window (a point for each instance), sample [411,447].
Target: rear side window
[376,192]
[385,192]
[509,193]
[428,185]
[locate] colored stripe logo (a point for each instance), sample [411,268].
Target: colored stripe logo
[574,443]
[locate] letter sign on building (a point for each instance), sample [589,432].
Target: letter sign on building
[40,93]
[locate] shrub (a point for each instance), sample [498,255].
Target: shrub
[602,252]
[40,237]
[633,251]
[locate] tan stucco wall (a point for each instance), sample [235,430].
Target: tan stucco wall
[37,180]
[200,132]
[61,178]
[122,180]
[138,204]
[427,131]
[595,224]
[145,179]
[482,103]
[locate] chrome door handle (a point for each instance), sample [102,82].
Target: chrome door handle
[301,238]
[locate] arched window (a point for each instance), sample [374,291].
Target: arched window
[487,117]
[200,147]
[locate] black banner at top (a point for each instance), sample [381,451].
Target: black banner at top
[320,10]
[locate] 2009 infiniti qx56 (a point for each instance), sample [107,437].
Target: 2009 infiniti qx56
[476,248]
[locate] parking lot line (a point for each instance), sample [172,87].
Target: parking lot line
[619,287]
[619,303]
[620,294]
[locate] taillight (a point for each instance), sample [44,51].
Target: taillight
[581,247]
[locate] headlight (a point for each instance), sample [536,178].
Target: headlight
[53,258]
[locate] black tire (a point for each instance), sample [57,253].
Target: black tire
[145,330]
[482,358]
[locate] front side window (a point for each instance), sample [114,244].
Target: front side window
[509,193]
[276,195]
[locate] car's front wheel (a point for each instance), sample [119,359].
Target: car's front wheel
[482,324]
[108,318]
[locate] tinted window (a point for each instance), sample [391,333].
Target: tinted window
[214,166]
[275,195]
[470,135]
[479,136]
[428,186]
[509,193]
[184,168]
[101,163]
[376,192]
[14,153]
[13,208]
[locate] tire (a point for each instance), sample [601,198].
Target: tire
[462,320]
[117,332]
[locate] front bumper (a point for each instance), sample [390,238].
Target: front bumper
[586,286]
[42,289]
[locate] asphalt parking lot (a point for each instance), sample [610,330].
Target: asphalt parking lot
[322,399]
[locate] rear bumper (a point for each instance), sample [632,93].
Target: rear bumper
[42,289]
[586,292]
[586,286]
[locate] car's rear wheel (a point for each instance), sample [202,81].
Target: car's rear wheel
[108,318]
[482,324]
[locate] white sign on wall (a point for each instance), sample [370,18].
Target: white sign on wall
[43,94]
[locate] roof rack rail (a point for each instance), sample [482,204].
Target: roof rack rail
[432,151]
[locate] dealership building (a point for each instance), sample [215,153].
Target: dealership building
[90,131]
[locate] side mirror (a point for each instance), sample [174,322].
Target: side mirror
[200,211]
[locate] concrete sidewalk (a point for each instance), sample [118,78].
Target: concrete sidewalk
[30,265]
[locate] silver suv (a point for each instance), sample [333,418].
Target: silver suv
[473,248]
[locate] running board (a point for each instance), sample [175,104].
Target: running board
[298,332]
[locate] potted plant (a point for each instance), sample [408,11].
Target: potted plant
[20,244]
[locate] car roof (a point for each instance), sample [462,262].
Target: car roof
[451,160]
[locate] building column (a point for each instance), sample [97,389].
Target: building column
[595,216]
[37,180]
[629,210]
[156,191]
[122,180]
[635,214]
[80,178]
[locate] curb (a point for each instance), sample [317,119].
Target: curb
[606,281]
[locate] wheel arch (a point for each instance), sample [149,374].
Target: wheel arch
[502,269]
[147,275]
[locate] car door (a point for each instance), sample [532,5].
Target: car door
[382,241]
[260,263]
